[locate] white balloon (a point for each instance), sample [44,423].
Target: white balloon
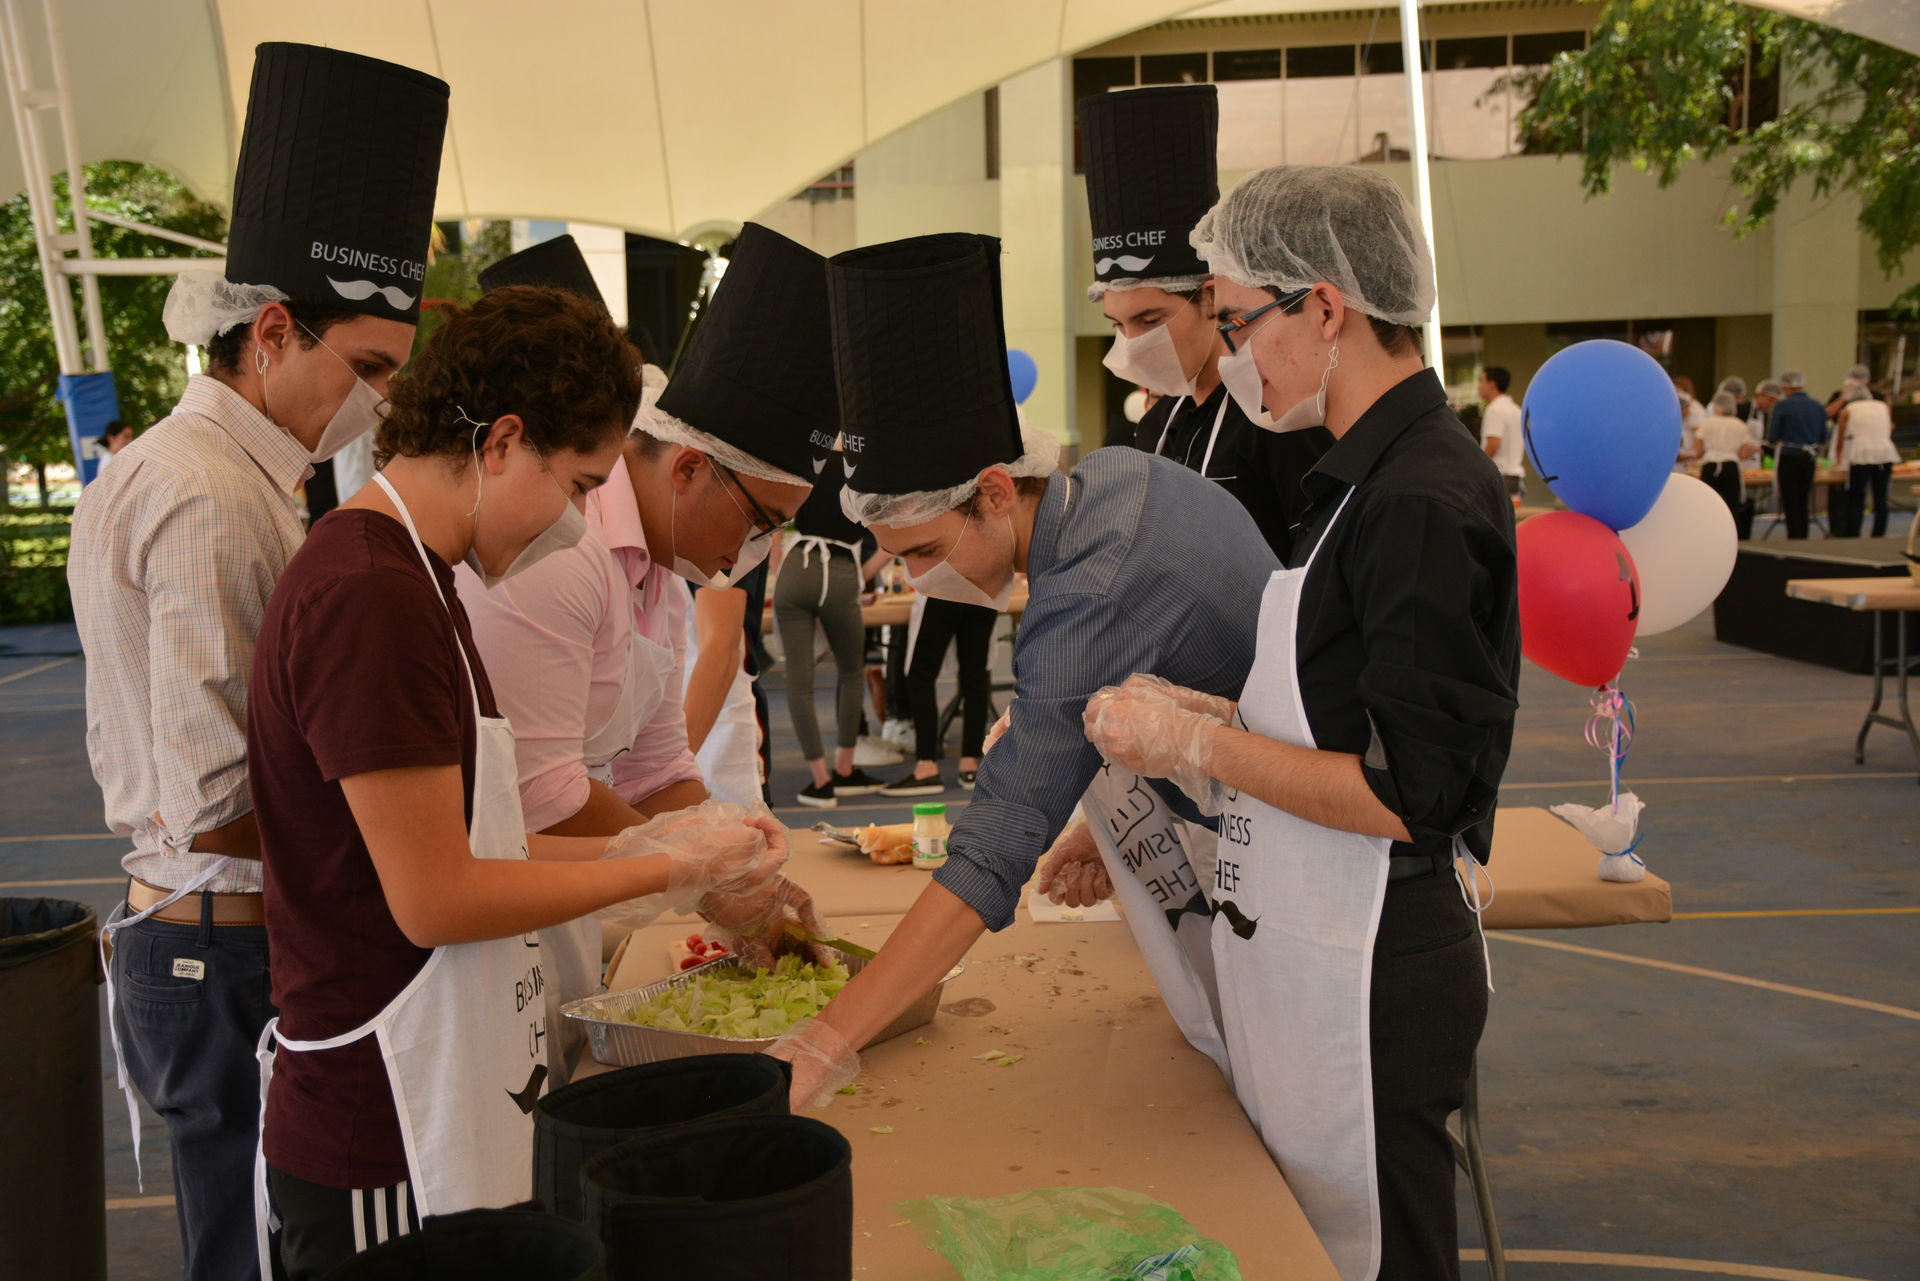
[1684,550]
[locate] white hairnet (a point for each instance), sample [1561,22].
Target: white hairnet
[1041,458]
[1297,225]
[1770,388]
[1172,284]
[1850,391]
[1793,380]
[204,304]
[654,422]
[1735,385]
[1724,403]
[1860,373]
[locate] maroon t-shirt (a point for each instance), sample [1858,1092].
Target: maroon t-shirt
[358,669]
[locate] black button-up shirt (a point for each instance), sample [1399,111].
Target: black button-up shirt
[1409,632]
[1262,469]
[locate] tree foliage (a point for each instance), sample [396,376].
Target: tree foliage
[1658,87]
[147,365]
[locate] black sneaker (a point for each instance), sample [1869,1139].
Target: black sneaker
[908,785]
[818,795]
[858,783]
[967,777]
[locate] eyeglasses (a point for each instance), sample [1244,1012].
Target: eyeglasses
[1286,302]
[765,526]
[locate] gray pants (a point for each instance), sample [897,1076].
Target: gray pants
[797,603]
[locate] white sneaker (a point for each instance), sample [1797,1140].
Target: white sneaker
[877,751]
[899,733]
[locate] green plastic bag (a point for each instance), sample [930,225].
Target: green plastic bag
[1068,1234]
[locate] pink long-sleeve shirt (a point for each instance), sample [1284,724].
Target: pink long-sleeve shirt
[565,638]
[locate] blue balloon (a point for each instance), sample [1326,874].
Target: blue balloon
[1602,427]
[1023,373]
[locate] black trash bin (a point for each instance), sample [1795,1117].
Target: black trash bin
[762,1197]
[587,1117]
[53,1189]
[482,1245]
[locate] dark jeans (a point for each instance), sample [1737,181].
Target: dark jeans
[1724,480]
[1793,473]
[942,622]
[1863,478]
[189,1047]
[1429,1004]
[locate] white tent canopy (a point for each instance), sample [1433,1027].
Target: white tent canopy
[655,115]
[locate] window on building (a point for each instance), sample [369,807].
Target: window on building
[1386,125]
[1467,107]
[1173,69]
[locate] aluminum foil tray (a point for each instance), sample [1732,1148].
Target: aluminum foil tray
[618,1043]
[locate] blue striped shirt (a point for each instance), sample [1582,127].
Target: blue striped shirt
[1135,565]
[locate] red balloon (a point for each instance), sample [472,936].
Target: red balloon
[1579,597]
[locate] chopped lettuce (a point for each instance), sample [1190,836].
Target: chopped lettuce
[744,1006]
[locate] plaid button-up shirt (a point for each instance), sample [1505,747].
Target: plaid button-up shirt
[175,551]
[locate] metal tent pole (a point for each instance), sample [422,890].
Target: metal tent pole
[24,101]
[1422,175]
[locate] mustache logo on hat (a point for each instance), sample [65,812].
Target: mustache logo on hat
[361,290]
[1102,266]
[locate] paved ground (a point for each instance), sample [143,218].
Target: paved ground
[1759,1117]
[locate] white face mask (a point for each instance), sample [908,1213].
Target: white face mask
[566,531]
[944,582]
[752,551]
[1151,360]
[1242,378]
[357,415]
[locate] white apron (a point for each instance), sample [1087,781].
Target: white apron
[1157,862]
[1296,909]
[730,758]
[464,1042]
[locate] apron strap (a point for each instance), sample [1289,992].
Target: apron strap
[1206,460]
[1159,446]
[420,548]
[1467,874]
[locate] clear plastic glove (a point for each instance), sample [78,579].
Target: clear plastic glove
[1073,873]
[824,1063]
[1148,732]
[764,920]
[715,850]
[1221,709]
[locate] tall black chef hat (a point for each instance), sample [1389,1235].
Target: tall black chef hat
[333,196]
[921,351]
[556,263]
[1151,174]
[758,371]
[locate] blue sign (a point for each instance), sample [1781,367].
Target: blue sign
[92,401]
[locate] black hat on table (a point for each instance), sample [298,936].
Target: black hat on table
[1151,174]
[758,371]
[555,264]
[920,347]
[333,195]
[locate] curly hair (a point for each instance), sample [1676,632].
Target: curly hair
[553,358]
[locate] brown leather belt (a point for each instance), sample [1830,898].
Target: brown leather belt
[228,909]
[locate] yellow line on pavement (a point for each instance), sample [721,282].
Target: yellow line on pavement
[35,671]
[78,880]
[139,1202]
[1799,911]
[1896,1010]
[1708,1266]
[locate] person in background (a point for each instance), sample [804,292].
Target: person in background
[1863,443]
[403,887]
[1859,376]
[968,627]
[1737,388]
[1692,414]
[1765,397]
[820,582]
[114,438]
[176,549]
[1500,434]
[1797,430]
[1725,446]
[722,695]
